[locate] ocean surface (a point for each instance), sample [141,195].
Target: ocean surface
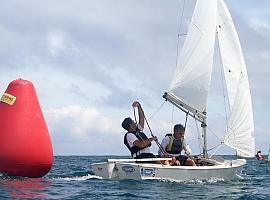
[72,178]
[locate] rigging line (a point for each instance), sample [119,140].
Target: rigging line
[219,145]
[199,135]
[223,86]
[214,133]
[178,35]
[215,147]
[158,144]
[159,108]
[162,151]
[172,118]
[231,135]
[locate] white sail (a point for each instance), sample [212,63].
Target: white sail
[190,84]
[240,135]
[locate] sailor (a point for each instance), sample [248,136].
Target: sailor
[135,140]
[259,155]
[174,143]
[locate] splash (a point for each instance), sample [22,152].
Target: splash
[195,181]
[78,178]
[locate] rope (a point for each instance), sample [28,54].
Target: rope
[219,145]
[153,154]
[223,88]
[159,108]
[134,113]
[158,144]
[178,35]
[199,136]
[172,117]
[200,139]
[213,133]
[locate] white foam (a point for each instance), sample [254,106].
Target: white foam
[78,178]
[195,181]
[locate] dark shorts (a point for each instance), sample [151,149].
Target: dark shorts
[145,155]
[182,159]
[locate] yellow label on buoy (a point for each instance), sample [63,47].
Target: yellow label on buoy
[8,98]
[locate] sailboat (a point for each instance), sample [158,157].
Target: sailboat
[189,91]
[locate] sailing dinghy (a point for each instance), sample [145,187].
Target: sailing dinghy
[188,92]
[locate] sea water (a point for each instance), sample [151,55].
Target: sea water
[72,178]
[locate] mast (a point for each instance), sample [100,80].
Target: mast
[203,125]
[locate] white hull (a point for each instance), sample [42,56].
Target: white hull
[121,170]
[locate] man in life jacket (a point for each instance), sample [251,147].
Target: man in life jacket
[135,140]
[174,143]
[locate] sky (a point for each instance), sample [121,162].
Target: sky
[89,60]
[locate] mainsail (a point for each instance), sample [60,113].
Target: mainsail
[190,85]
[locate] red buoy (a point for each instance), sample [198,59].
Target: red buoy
[25,144]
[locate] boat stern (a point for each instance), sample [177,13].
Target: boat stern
[106,170]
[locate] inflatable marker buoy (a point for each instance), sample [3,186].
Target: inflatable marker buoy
[25,144]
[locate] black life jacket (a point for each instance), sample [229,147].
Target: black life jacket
[175,146]
[141,136]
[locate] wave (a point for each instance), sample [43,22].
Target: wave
[195,181]
[77,178]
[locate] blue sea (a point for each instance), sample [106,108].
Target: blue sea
[72,178]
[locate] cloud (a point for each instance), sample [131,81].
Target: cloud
[89,60]
[83,126]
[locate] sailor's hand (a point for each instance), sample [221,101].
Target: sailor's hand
[154,138]
[136,104]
